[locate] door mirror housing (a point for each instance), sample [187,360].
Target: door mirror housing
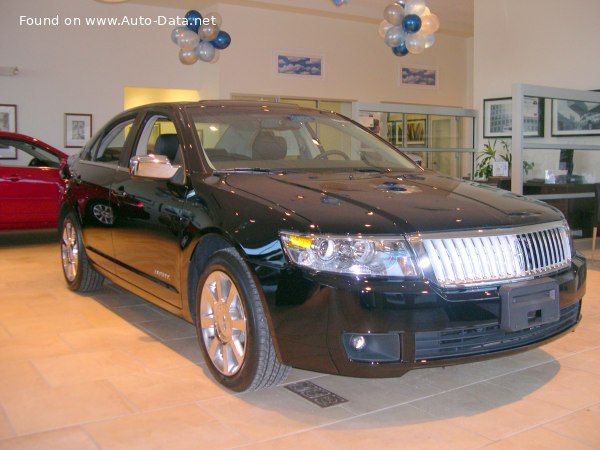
[152,166]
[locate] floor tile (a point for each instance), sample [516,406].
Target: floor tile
[40,409]
[18,375]
[582,426]
[65,439]
[170,328]
[186,427]
[538,439]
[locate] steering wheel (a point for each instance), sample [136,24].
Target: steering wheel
[327,153]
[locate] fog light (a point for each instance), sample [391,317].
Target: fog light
[358,342]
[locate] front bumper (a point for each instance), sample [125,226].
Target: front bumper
[314,319]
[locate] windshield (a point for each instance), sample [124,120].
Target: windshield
[287,138]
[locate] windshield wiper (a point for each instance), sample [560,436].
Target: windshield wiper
[249,170]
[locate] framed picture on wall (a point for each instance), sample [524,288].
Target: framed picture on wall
[8,118]
[78,129]
[497,117]
[419,76]
[575,118]
[303,65]
[398,135]
[415,131]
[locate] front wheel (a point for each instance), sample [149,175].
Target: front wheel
[79,274]
[232,328]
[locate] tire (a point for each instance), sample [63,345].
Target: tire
[79,274]
[232,328]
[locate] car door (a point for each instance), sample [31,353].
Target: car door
[151,214]
[30,185]
[92,175]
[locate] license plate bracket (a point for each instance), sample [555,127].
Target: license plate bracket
[529,304]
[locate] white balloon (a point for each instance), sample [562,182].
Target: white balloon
[415,7]
[176,33]
[394,36]
[208,32]
[216,57]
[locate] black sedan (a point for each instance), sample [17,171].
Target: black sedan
[295,237]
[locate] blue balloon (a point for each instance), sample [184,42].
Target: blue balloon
[194,20]
[222,40]
[411,23]
[400,49]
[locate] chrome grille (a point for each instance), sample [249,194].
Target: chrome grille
[495,256]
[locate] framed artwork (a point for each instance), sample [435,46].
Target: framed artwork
[497,117]
[8,118]
[398,135]
[306,65]
[415,131]
[419,76]
[575,118]
[78,129]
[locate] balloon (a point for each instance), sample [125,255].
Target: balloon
[205,51]
[415,43]
[393,14]
[400,49]
[176,33]
[416,7]
[394,36]
[193,20]
[208,32]
[429,24]
[412,23]
[429,40]
[222,40]
[426,12]
[401,3]
[214,18]
[188,40]
[187,57]
[383,27]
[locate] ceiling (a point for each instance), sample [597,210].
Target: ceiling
[456,16]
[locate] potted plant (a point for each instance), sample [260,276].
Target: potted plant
[485,160]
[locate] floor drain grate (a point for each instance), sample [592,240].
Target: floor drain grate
[316,394]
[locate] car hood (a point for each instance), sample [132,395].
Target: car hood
[390,203]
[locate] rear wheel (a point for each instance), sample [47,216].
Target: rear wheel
[79,273]
[232,328]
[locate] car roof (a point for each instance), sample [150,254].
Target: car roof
[24,137]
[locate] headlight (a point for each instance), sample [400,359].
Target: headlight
[351,255]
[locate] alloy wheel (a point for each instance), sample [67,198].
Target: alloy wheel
[69,251]
[223,323]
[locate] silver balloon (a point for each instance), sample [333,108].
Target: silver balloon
[401,3]
[394,14]
[188,40]
[205,51]
[187,57]
[383,27]
[208,32]
[214,18]
[415,43]
[176,33]
[429,40]
[394,36]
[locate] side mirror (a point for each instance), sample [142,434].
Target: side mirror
[152,166]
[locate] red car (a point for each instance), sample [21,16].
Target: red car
[30,182]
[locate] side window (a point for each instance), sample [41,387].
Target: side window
[24,154]
[109,148]
[159,137]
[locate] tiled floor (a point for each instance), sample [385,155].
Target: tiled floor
[111,371]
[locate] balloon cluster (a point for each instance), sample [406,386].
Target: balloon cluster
[340,2]
[201,38]
[408,26]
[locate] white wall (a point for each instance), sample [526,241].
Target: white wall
[543,42]
[83,69]
[357,64]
